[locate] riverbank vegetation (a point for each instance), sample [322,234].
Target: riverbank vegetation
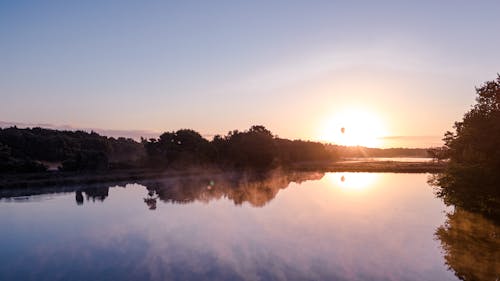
[472,178]
[34,150]
[28,150]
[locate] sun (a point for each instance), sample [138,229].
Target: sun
[354,127]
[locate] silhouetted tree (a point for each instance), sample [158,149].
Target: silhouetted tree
[86,160]
[472,178]
[178,148]
[438,153]
[78,149]
[303,151]
[476,139]
[4,152]
[253,148]
[11,163]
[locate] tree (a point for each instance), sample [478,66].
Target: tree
[472,178]
[182,147]
[438,153]
[476,140]
[254,148]
[4,152]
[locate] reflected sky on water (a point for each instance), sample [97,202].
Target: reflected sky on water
[298,226]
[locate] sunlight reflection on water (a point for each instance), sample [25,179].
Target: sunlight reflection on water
[353,181]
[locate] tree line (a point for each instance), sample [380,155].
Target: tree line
[36,149]
[31,149]
[361,151]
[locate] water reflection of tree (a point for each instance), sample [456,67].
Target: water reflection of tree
[151,200]
[469,189]
[471,245]
[91,193]
[254,188]
[470,237]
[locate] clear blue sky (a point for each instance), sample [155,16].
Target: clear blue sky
[220,65]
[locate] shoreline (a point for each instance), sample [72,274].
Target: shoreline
[12,181]
[374,167]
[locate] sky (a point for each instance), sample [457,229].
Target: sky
[134,67]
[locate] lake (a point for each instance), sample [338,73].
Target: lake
[283,226]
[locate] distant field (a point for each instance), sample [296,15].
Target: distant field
[370,165]
[396,159]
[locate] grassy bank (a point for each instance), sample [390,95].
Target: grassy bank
[374,167]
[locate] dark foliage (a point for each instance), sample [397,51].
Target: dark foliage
[26,150]
[255,148]
[304,151]
[472,179]
[23,149]
[86,160]
[8,163]
[476,139]
[178,148]
[438,153]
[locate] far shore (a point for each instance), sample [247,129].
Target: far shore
[374,166]
[56,178]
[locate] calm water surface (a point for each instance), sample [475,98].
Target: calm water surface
[301,226]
